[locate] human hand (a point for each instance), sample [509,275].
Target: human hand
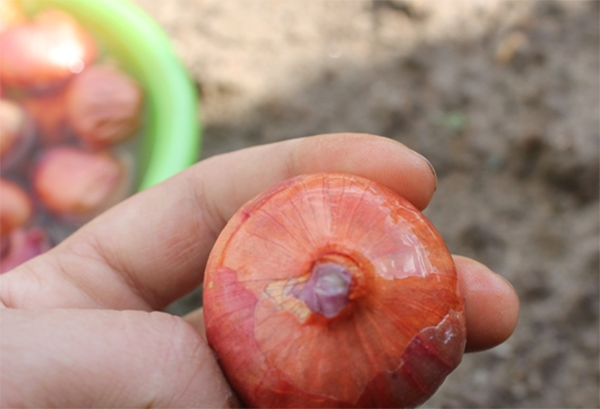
[81,325]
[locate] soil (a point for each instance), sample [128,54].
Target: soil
[501,96]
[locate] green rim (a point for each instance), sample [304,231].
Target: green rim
[172,136]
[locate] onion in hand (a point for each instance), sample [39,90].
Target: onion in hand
[329,290]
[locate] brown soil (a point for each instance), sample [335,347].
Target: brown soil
[501,96]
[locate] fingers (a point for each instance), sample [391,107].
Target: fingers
[491,305]
[80,361]
[151,249]
[379,159]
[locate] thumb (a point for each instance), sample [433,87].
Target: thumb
[100,358]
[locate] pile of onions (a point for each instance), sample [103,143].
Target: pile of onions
[69,115]
[329,290]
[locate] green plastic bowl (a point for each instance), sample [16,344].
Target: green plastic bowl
[172,135]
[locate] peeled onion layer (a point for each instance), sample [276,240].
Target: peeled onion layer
[399,331]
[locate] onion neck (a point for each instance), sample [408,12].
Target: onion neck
[327,289]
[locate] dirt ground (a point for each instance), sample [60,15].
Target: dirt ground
[501,96]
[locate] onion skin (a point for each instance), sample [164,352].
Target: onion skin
[44,53]
[400,332]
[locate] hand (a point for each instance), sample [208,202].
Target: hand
[80,326]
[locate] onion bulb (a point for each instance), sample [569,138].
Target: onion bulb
[76,184]
[45,52]
[104,106]
[329,290]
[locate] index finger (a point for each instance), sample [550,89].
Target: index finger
[151,249]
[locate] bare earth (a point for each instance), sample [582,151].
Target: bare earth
[501,96]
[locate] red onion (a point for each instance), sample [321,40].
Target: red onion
[329,290]
[45,52]
[76,184]
[104,106]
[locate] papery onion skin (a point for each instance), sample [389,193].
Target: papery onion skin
[401,331]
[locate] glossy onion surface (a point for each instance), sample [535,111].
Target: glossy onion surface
[329,290]
[43,53]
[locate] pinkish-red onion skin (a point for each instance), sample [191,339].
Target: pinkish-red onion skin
[76,184]
[44,53]
[401,332]
[104,106]
[22,245]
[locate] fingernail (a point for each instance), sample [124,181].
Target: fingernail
[430,167]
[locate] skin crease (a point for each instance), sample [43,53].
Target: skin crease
[84,309]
